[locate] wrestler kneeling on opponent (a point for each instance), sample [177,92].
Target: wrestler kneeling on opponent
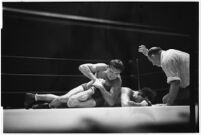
[97,73]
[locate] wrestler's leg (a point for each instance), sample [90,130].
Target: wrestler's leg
[85,95]
[75,102]
[73,92]
[31,99]
[82,99]
[59,101]
[45,97]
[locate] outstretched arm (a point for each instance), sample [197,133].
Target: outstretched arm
[143,49]
[171,69]
[173,92]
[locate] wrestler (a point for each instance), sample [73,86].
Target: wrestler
[109,90]
[143,97]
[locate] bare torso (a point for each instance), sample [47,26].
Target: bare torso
[110,83]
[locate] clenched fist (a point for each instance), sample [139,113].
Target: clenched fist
[143,49]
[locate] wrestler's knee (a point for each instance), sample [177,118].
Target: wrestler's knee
[56,103]
[93,103]
[72,102]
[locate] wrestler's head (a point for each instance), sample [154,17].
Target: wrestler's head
[154,56]
[114,69]
[143,94]
[148,94]
[137,96]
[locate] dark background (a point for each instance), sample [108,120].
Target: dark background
[33,36]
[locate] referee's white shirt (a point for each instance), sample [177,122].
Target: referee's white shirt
[176,65]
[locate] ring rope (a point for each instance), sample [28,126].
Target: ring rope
[150,73]
[138,73]
[46,75]
[145,74]
[36,91]
[56,75]
[107,23]
[48,58]
[56,91]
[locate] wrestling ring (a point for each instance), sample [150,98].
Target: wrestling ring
[157,118]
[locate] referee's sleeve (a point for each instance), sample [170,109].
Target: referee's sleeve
[171,69]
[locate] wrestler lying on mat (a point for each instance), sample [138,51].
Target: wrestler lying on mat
[176,65]
[92,97]
[143,97]
[110,90]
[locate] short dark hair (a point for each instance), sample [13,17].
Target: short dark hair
[154,50]
[149,93]
[116,63]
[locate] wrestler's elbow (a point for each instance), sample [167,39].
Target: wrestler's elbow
[85,68]
[81,67]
